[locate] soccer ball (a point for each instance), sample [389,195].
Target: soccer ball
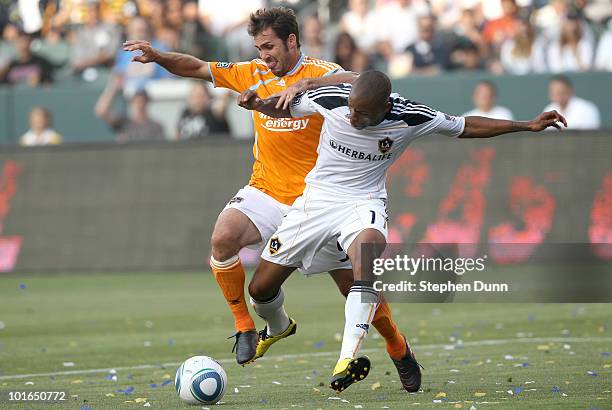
[200,380]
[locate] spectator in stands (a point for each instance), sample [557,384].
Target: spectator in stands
[468,56]
[202,118]
[40,132]
[195,39]
[396,26]
[485,100]
[549,18]
[469,29]
[360,23]
[525,53]
[174,14]
[430,54]
[27,68]
[499,30]
[227,19]
[579,113]
[348,55]
[136,75]
[94,43]
[6,10]
[572,51]
[7,45]
[447,12]
[156,16]
[603,58]
[136,125]
[311,39]
[53,47]
[70,13]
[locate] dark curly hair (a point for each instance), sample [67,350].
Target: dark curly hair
[281,19]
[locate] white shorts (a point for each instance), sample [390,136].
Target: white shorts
[311,224]
[267,213]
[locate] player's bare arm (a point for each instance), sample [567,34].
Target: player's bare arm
[251,101]
[179,64]
[482,127]
[287,95]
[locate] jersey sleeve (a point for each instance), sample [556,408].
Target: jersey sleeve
[443,124]
[235,76]
[335,69]
[302,106]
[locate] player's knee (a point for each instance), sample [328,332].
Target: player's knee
[224,244]
[258,291]
[261,289]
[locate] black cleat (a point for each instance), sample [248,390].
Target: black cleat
[409,370]
[349,371]
[245,346]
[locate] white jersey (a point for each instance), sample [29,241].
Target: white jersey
[352,163]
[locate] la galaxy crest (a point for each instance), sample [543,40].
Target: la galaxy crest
[384,145]
[275,245]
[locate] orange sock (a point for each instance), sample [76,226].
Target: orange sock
[231,277]
[383,322]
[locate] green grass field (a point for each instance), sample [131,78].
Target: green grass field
[65,332]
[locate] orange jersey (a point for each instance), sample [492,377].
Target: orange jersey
[285,149]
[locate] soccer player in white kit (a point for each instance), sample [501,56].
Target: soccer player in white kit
[366,128]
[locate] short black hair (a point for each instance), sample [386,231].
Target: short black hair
[562,79]
[375,84]
[282,20]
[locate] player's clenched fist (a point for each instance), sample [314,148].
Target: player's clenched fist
[149,54]
[249,100]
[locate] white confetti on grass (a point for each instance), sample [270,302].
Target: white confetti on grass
[29,383]
[236,390]
[277,383]
[68,364]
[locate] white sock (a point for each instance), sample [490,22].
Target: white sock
[359,310]
[273,312]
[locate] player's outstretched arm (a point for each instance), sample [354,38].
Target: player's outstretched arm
[482,127]
[251,101]
[179,64]
[288,94]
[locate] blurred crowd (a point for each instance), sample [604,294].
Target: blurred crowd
[46,40]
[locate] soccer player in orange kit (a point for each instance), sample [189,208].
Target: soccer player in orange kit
[284,152]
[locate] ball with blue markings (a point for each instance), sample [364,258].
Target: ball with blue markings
[200,380]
